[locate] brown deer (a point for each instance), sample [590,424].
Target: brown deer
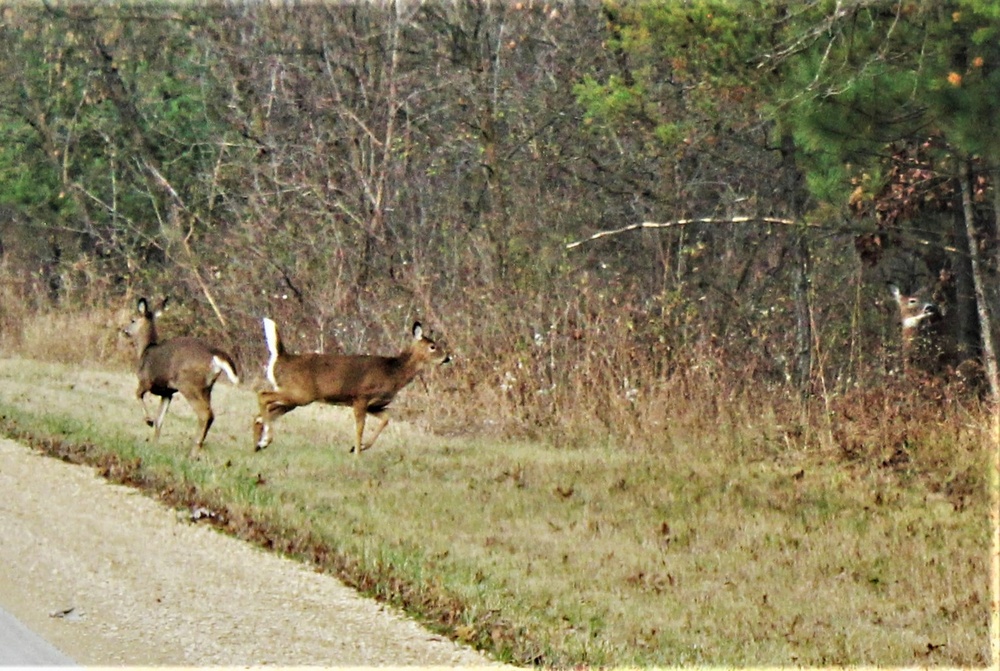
[929,352]
[922,345]
[185,365]
[366,383]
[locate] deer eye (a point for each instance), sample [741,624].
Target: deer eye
[433,347]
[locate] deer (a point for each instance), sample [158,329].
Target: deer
[366,383]
[918,317]
[929,353]
[183,364]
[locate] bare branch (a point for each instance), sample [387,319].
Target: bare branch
[839,228]
[687,222]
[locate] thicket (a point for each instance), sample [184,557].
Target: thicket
[346,169]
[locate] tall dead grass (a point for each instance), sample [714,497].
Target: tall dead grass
[587,368]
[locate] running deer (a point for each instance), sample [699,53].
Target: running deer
[366,383]
[185,365]
[919,317]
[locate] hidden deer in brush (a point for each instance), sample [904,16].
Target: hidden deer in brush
[928,349]
[919,317]
[366,383]
[185,365]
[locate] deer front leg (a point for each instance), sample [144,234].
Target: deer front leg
[360,413]
[141,396]
[164,405]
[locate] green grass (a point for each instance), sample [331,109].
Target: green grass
[699,550]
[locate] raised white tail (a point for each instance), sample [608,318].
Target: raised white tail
[221,365]
[273,343]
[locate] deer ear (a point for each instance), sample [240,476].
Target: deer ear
[894,290]
[418,331]
[142,306]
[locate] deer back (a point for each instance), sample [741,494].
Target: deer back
[180,363]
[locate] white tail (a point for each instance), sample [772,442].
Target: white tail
[224,365]
[273,343]
[366,383]
[185,365]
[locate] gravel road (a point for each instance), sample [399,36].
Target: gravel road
[111,577]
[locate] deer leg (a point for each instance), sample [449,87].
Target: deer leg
[383,418]
[360,413]
[202,405]
[141,395]
[261,423]
[164,405]
[271,405]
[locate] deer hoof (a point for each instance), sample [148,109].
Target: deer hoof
[261,434]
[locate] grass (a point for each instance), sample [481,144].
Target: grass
[700,548]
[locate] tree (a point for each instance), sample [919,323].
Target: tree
[689,90]
[883,83]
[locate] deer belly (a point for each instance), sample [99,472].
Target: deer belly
[373,404]
[162,389]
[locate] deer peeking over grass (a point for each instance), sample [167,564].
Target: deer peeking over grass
[185,365]
[928,350]
[919,318]
[366,383]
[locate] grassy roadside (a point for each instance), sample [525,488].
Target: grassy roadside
[694,551]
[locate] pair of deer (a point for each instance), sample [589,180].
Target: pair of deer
[367,383]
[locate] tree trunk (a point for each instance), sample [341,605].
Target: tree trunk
[989,352]
[803,324]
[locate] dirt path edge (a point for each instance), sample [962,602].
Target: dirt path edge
[112,577]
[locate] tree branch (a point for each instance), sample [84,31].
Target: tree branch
[687,222]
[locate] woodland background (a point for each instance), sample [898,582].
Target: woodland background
[348,168]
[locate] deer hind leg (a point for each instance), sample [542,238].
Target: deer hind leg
[271,405]
[202,405]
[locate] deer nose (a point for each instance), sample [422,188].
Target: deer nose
[447,359]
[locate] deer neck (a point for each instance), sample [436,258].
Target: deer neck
[145,338]
[410,366]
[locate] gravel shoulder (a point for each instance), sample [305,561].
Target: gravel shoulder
[111,577]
